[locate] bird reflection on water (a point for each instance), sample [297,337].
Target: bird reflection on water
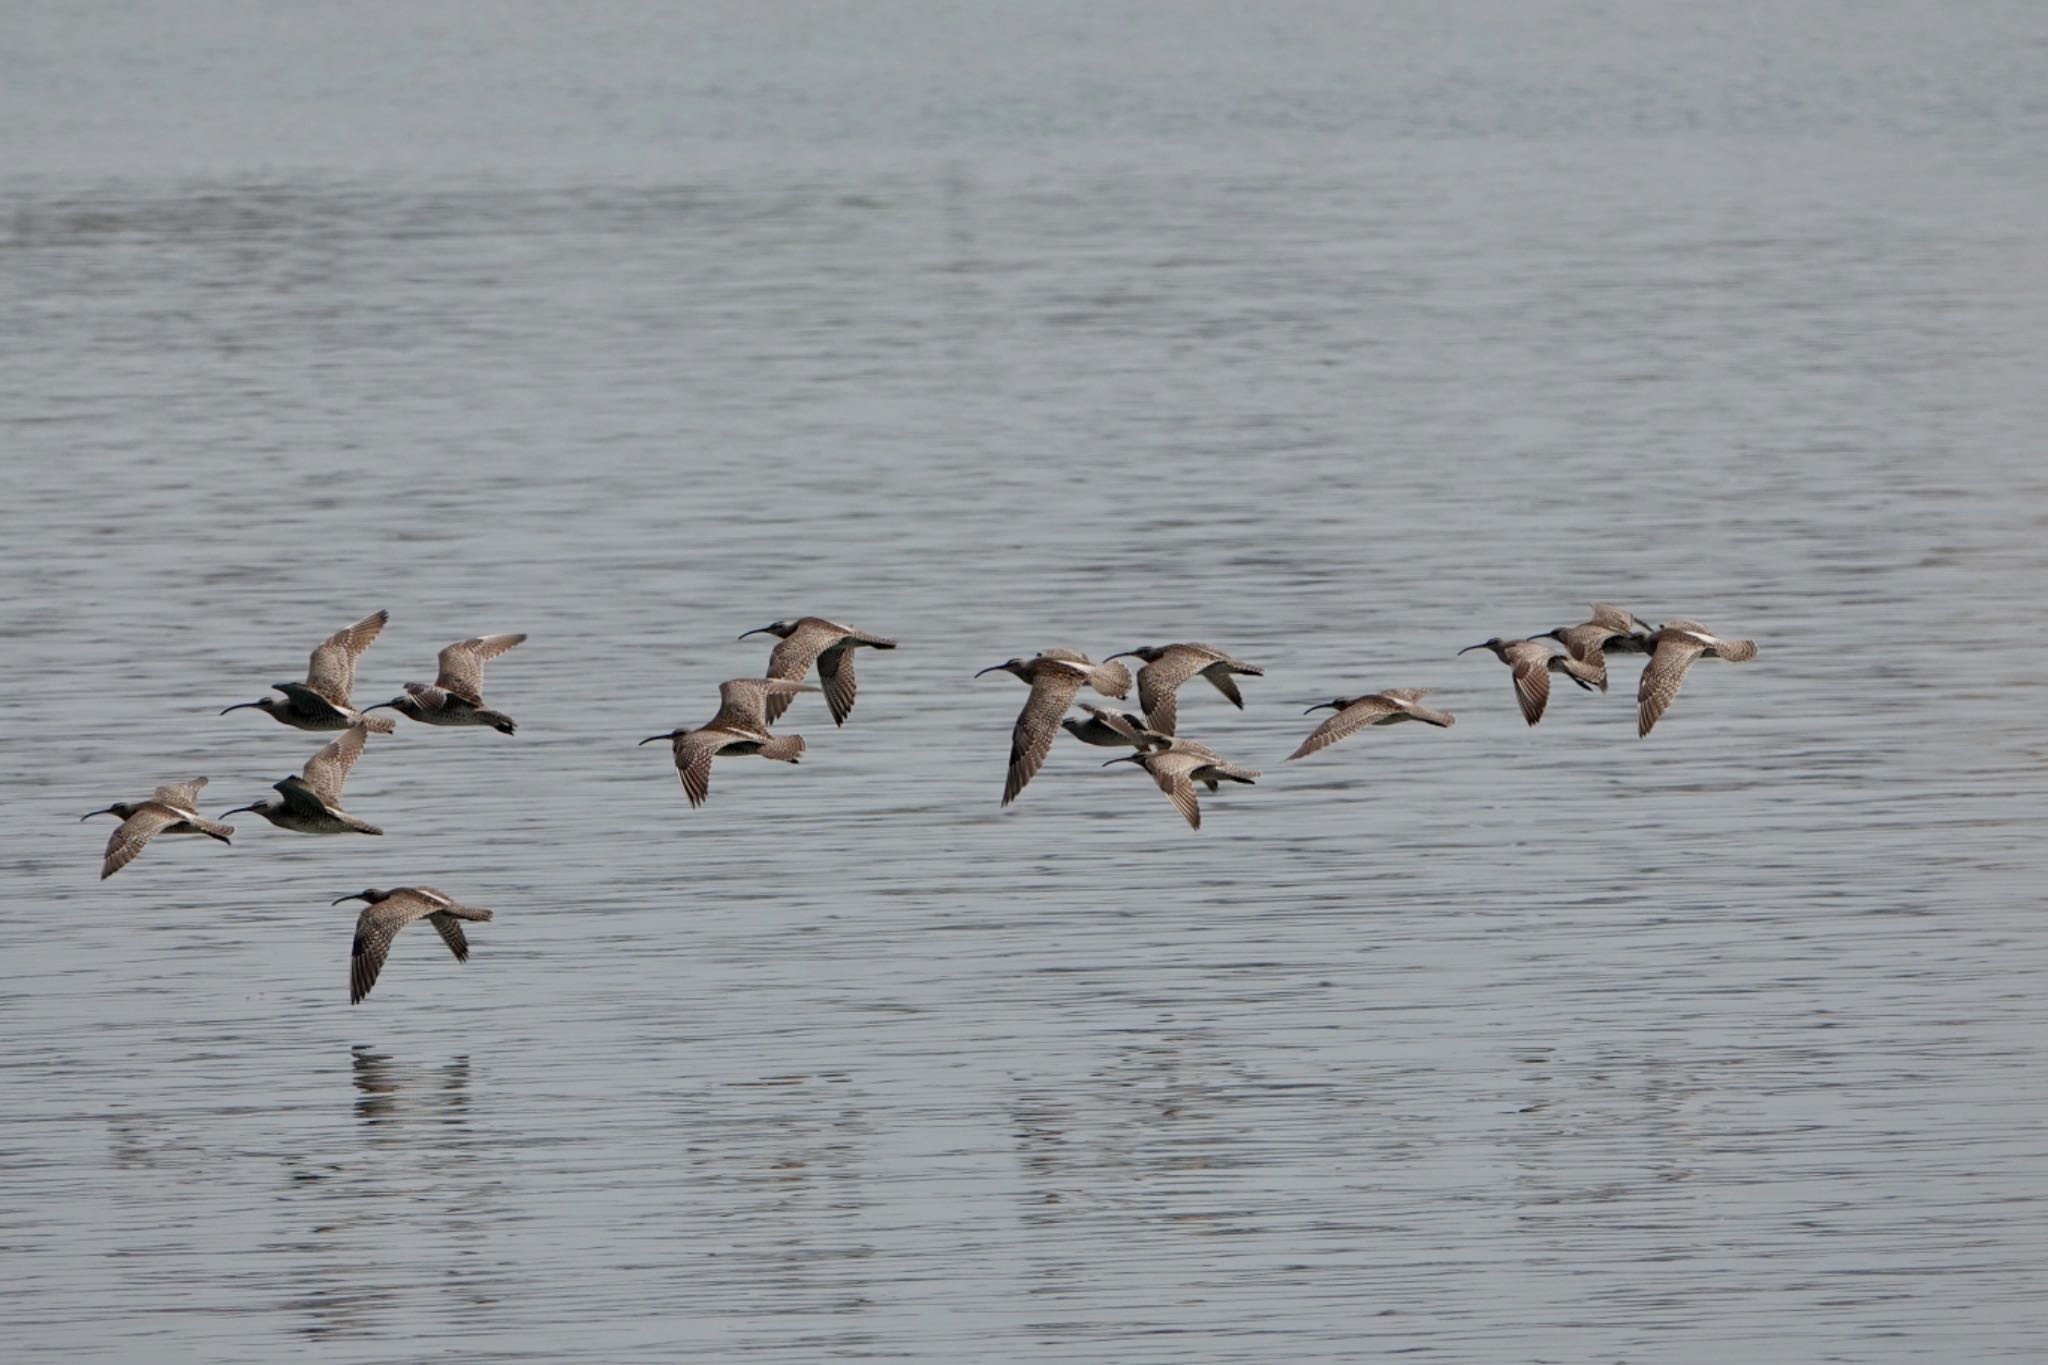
[388,1091]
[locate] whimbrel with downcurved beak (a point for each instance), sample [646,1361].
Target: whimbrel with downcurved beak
[1672,651]
[456,696]
[1533,664]
[1375,708]
[831,645]
[390,911]
[1609,629]
[740,727]
[171,809]
[1168,666]
[312,800]
[1056,677]
[322,701]
[1113,729]
[1180,765]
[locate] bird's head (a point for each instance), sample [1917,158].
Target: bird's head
[781,630]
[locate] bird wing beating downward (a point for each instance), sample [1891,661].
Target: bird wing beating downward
[1347,722]
[375,928]
[332,670]
[1662,676]
[1173,771]
[128,840]
[793,656]
[1052,691]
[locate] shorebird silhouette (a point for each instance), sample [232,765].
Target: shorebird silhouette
[390,911]
[456,696]
[1672,651]
[1056,677]
[1533,664]
[311,801]
[1180,765]
[1168,666]
[1375,708]
[1113,729]
[1609,629]
[322,701]
[808,638]
[170,809]
[740,727]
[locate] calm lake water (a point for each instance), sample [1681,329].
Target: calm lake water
[1341,336]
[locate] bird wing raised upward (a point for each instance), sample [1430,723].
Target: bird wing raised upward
[1052,691]
[375,928]
[179,795]
[137,830]
[332,670]
[1661,677]
[327,772]
[743,702]
[462,665]
[1349,721]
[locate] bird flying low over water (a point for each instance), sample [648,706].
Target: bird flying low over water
[740,727]
[1672,651]
[171,809]
[1113,729]
[390,911]
[311,801]
[1533,664]
[322,701]
[1609,630]
[1056,677]
[1180,765]
[805,639]
[1375,708]
[456,696]
[1168,666]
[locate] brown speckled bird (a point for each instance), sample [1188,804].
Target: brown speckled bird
[390,911]
[170,809]
[1533,664]
[805,639]
[456,696]
[312,799]
[740,727]
[1168,666]
[1180,765]
[322,701]
[1672,651]
[1056,677]
[1375,708]
[1609,629]
[1114,729]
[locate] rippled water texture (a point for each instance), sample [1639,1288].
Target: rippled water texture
[1341,336]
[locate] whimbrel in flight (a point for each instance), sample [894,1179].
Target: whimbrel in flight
[740,727]
[1114,729]
[170,809]
[1609,629]
[1375,708]
[1180,765]
[390,911]
[808,638]
[1672,651]
[311,801]
[1533,664]
[1168,666]
[456,696]
[322,702]
[1056,677]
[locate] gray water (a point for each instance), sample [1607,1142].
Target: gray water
[1341,336]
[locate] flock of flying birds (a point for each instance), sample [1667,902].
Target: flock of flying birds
[309,802]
